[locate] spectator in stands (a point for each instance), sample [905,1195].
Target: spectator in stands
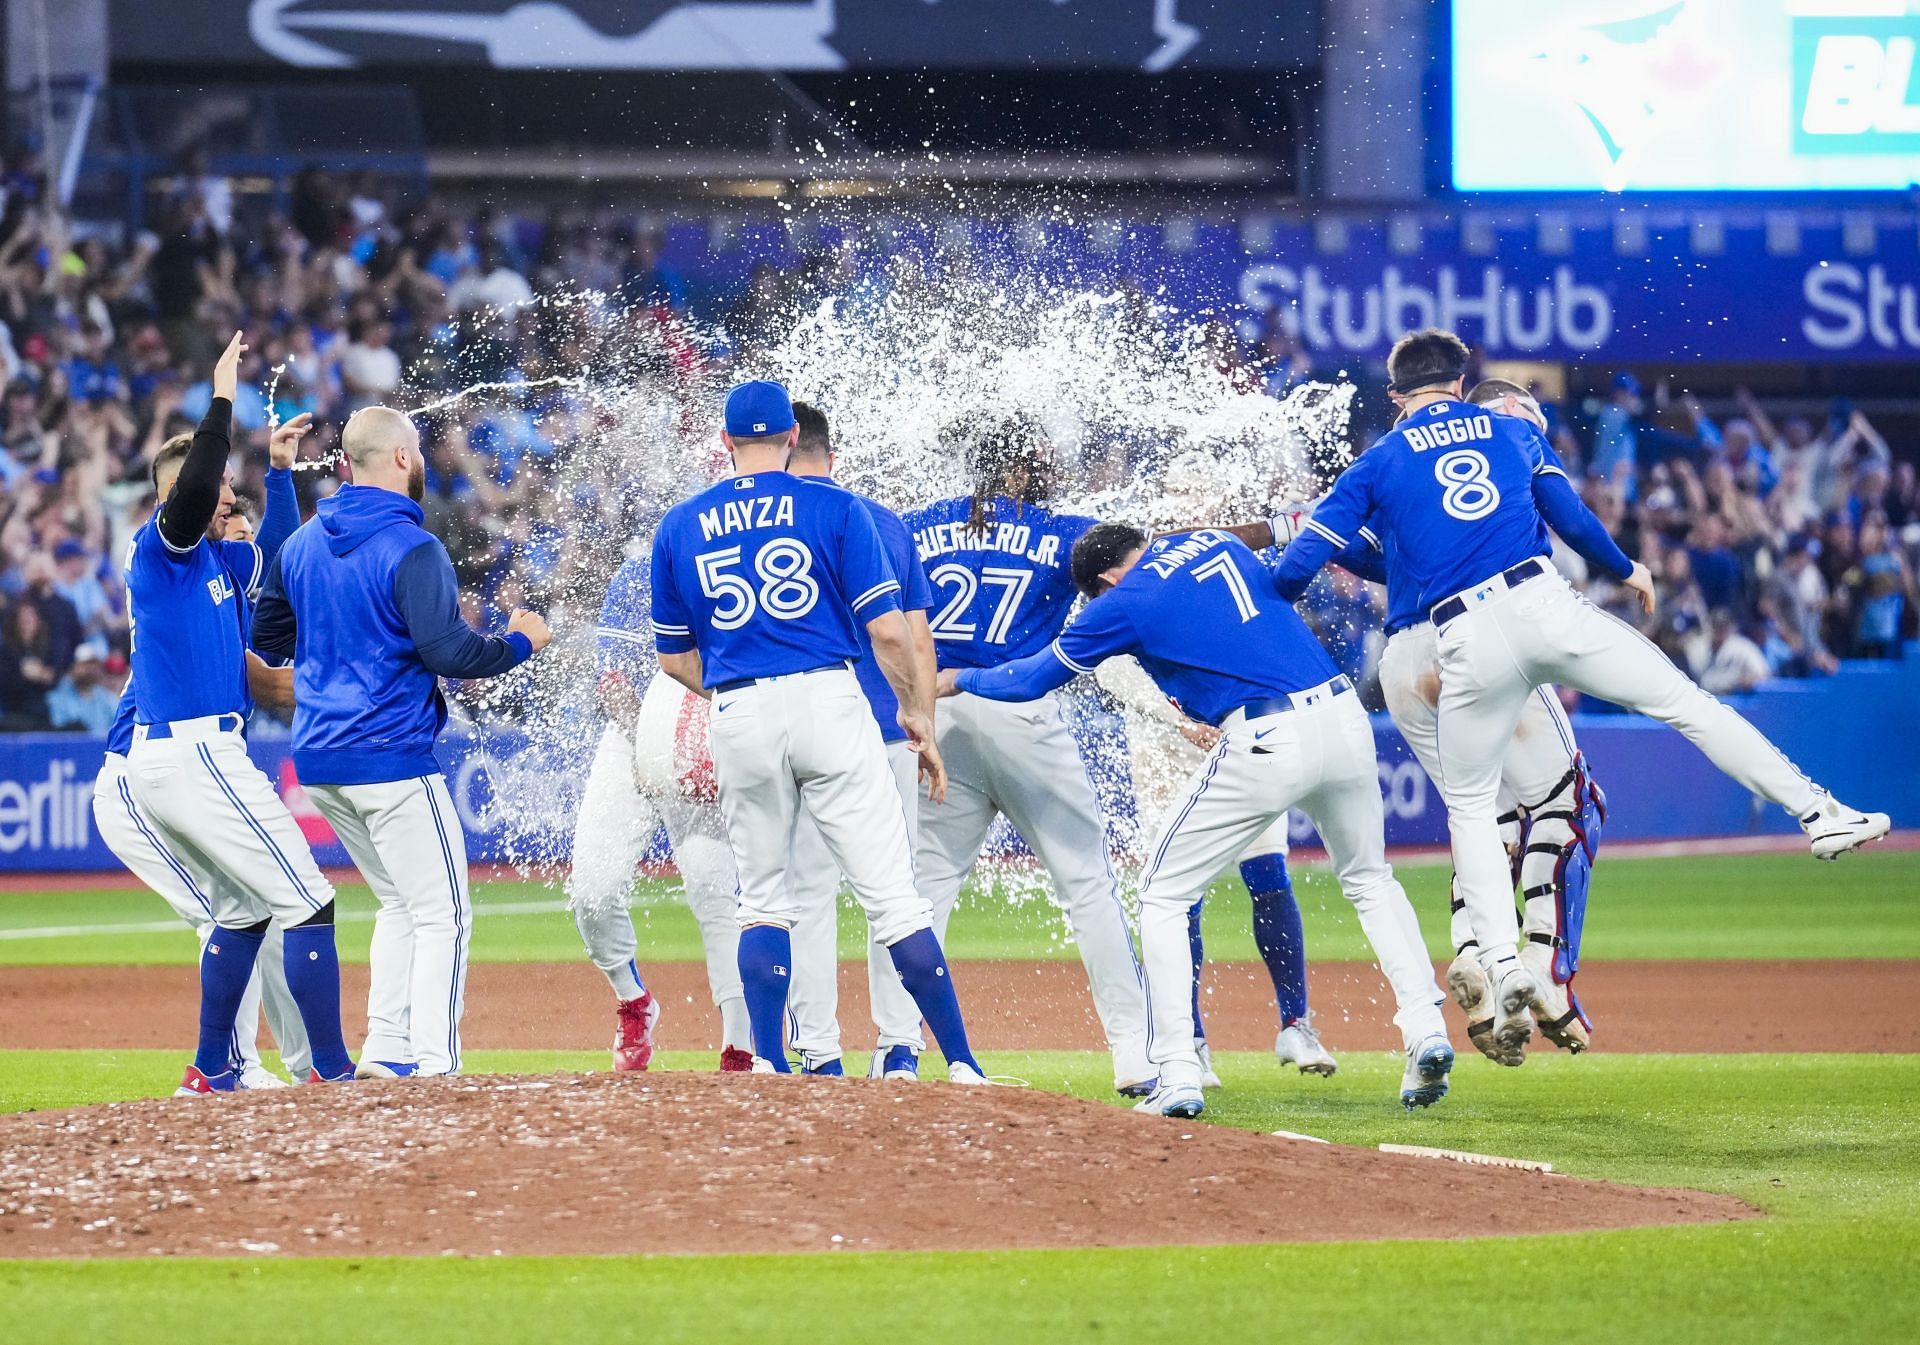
[1877,590]
[58,623]
[1715,567]
[77,579]
[369,367]
[27,673]
[1734,663]
[1795,602]
[84,700]
[489,283]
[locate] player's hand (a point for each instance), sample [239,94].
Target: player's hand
[533,626]
[1641,582]
[1203,736]
[945,683]
[226,369]
[284,446]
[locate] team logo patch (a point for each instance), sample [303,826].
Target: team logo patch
[220,588]
[743,483]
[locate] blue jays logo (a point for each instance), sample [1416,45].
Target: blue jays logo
[220,588]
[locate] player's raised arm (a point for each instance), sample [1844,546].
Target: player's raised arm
[188,510]
[1334,527]
[282,514]
[1567,514]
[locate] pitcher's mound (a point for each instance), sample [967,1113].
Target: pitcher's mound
[605,1163]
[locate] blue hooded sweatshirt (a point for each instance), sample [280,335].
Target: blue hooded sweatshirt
[365,602]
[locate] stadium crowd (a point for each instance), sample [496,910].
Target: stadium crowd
[1782,543]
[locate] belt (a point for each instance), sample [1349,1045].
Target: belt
[1296,700]
[206,726]
[1509,578]
[739,682]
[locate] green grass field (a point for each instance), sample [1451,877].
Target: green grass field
[1827,1145]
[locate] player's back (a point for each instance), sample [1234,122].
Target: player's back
[623,641]
[1453,485]
[1211,630]
[1002,592]
[914,596]
[765,574]
[189,620]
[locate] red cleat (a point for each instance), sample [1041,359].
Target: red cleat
[633,1039]
[733,1060]
[196,1084]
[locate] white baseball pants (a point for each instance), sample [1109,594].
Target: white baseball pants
[1511,641]
[615,823]
[211,807]
[406,840]
[1319,758]
[134,841]
[805,745]
[1020,759]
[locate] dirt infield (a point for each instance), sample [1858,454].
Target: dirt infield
[1638,1006]
[728,1163]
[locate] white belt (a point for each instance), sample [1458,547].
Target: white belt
[190,730]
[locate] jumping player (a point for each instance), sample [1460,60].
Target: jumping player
[999,566]
[365,602]
[187,766]
[1199,612]
[1462,499]
[760,585]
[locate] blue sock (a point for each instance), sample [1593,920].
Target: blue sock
[1198,948]
[766,954]
[1277,932]
[923,970]
[225,968]
[313,978]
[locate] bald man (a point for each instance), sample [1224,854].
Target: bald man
[364,600]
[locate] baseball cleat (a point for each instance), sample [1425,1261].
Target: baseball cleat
[1833,828]
[196,1084]
[1428,1062]
[733,1060]
[1298,1044]
[385,1069]
[761,1065]
[1183,1100]
[1562,1021]
[1208,1077]
[633,1037]
[1467,983]
[895,1062]
[961,1072]
[259,1079]
[826,1069]
[1138,1087]
[1513,999]
[315,1076]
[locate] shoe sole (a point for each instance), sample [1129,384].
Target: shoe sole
[1880,832]
[1424,1096]
[1513,1026]
[1468,993]
[901,1076]
[1320,1069]
[1136,1089]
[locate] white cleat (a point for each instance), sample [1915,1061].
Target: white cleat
[258,1079]
[1562,1021]
[1429,1061]
[1468,984]
[1298,1044]
[1513,998]
[1833,828]
[898,1063]
[762,1065]
[961,1072]
[1208,1078]
[1183,1100]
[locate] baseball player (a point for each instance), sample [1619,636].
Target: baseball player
[1200,613]
[187,766]
[760,584]
[134,842]
[1461,498]
[999,566]
[364,600]
[651,767]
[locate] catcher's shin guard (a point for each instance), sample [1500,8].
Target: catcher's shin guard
[1556,873]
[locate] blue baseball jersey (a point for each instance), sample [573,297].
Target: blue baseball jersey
[623,642]
[190,615]
[1452,486]
[120,734]
[766,575]
[915,596]
[1201,614]
[1000,594]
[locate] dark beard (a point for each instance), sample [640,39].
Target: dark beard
[417,479]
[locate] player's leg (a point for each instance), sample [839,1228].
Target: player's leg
[283,1015]
[1281,938]
[1546,774]
[754,762]
[1232,798]
[1040,782]
[1337,741]
[388,1047]
[848,789]
[946,841]
[610,834]
[712,892]
[813,998]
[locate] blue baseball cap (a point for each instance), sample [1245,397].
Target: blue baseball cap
[758,409]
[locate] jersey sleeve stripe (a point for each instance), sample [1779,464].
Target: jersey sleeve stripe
[1326,532]
[167,542]
[1548,469]
[1067,659]
[889,586]
[1373,539]
[661,628]
[259,571]
[632,637]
